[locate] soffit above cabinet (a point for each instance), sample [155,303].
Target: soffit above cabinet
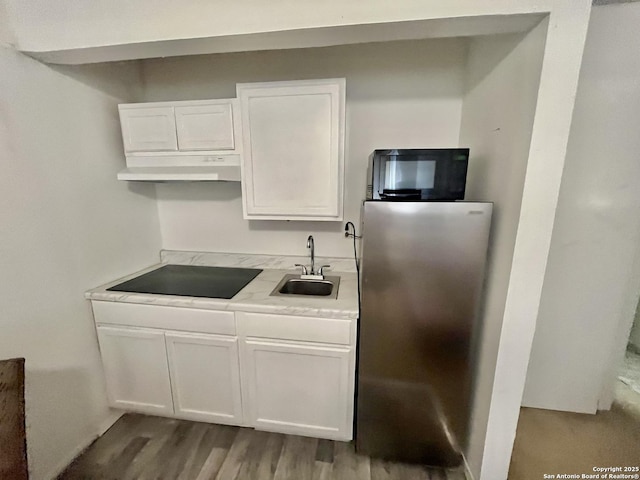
[318,36]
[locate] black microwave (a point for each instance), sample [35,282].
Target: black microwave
[434,174]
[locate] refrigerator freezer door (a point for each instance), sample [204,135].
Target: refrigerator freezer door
[422,275]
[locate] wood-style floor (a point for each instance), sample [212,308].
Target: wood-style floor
[144,447]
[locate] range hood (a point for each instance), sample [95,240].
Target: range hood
[192,168]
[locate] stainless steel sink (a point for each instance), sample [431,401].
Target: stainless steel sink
[293,286]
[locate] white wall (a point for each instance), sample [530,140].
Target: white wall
[589,281]
[6,32]
[66,225]
[400,94]
[503,75]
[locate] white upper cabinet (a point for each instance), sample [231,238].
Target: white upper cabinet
[293,134]
[148,129]
[205,127]
[193,140]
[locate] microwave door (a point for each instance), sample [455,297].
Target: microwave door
[419,174]
[405,177]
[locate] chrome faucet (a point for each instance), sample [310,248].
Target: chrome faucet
[311,271]
[310,244]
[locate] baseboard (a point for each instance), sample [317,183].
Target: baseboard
[112,418]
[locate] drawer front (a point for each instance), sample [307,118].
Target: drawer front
[290,327]
[170,318]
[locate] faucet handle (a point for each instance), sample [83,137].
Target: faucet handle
[321,271]
[304,268]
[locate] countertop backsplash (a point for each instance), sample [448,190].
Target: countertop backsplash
[244,260]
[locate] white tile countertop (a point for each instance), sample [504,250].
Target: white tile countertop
[255,297]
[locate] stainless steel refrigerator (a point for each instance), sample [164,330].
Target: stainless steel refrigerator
[423,267]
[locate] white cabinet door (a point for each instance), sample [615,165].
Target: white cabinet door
[148,129]
[205,127]
[135,366]
[205,377]
[293,134]
[298,389]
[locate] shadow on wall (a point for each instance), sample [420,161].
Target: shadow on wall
[230,192]
[7,37]
[122,80]
[297,226]
[367,77]
[497,49]
[200,191]
[144,189]
[55,402]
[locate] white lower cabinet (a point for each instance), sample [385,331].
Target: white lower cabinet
[136,371]
[299,389]
[205,377]
[282,373]
[179,374]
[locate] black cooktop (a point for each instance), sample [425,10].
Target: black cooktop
[190,281]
